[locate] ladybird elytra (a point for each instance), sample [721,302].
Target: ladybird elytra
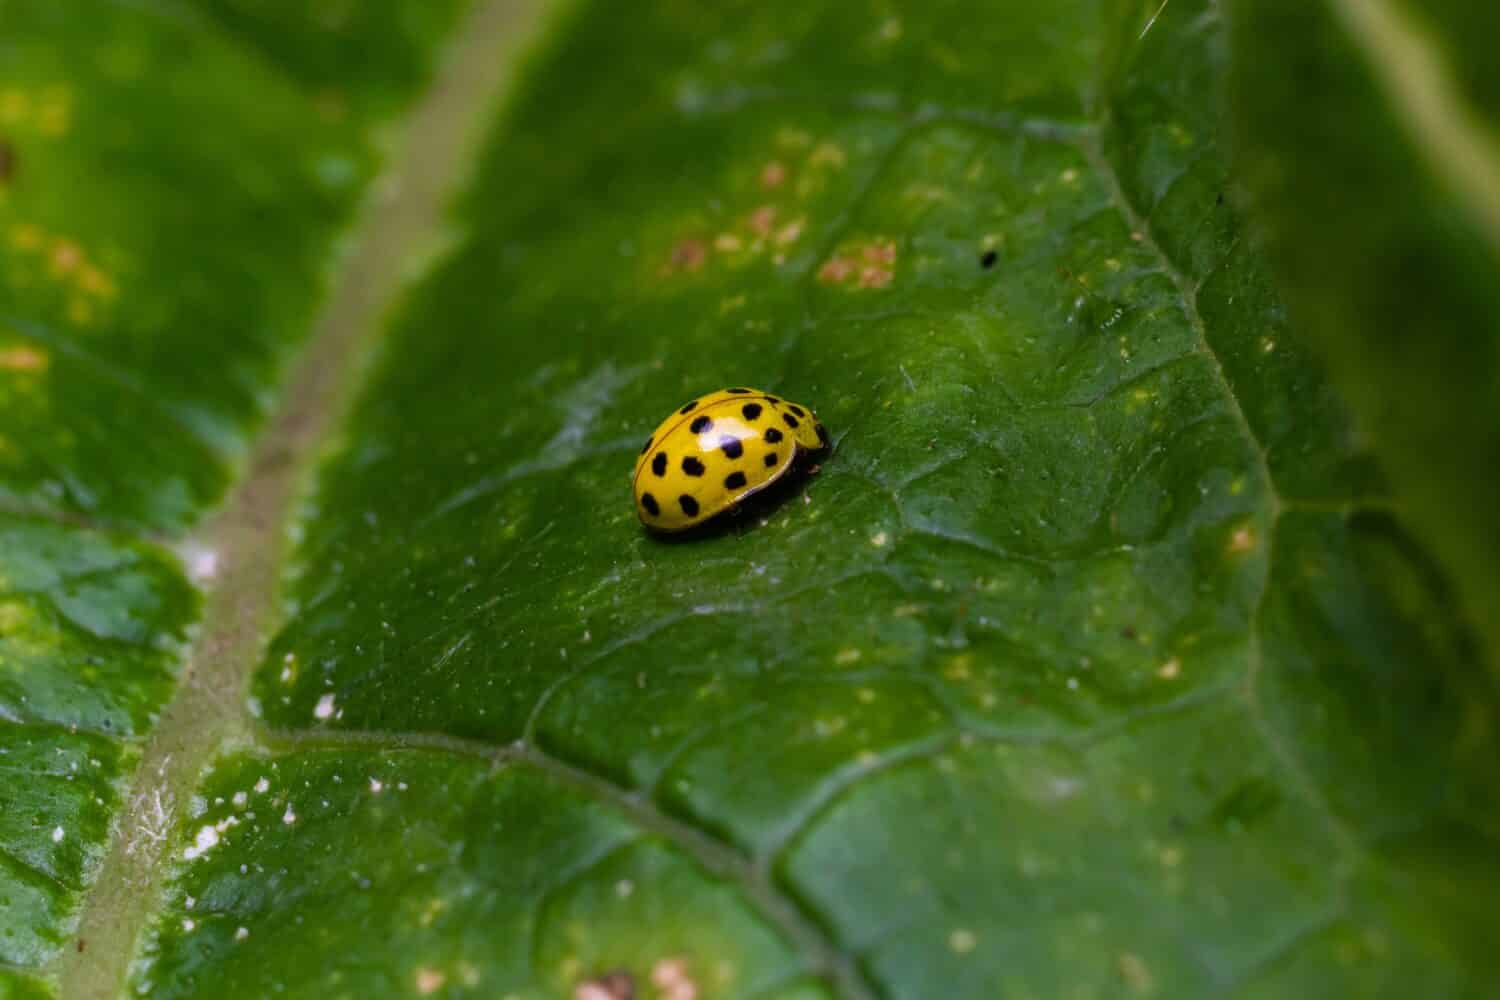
[717,450]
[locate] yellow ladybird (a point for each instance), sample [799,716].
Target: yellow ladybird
[716,451]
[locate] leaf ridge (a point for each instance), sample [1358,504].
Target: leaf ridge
[789,914]
[1188,293]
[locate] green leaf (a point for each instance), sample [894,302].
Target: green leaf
[168,200]
[1096,658]
[1371,143]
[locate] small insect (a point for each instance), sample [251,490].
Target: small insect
[716,451]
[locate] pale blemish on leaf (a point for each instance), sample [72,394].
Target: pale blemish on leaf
[672,978]
[24,359]
[49,113]
[616,985]
[428,980]
[961,941]
[829,154]
[1134,972]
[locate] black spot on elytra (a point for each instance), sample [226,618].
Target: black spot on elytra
[822,433]
[731,446]
[734,480]
[700,425]
[988,260]
[649,502]
[659,463]
[796,409]
[791,421]
[751,410]
[772,400]
[689,408]
[689,505]
[739,391]
[773,434]
[771,459]
[692,466]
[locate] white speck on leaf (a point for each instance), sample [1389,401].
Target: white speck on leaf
[962,941]
[207,838]
[202,562]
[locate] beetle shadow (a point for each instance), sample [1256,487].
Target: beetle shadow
[747,515]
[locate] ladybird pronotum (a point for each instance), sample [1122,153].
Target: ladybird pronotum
[717,450]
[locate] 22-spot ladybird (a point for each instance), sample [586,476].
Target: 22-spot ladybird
[716,451]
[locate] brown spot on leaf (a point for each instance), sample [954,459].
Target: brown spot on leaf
[772,175]
[616,985]
[21,358]
[66,255]
[762,219]
[835,270]
[870,265]
[687,255]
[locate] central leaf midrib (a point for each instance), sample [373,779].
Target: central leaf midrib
[209,709]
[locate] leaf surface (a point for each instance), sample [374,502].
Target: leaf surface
[1096,658]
